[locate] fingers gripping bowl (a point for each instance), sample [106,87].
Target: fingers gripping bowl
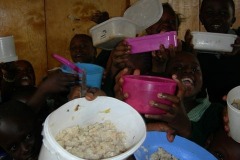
[143,89]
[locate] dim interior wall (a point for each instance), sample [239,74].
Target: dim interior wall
[25,20]
[70,18]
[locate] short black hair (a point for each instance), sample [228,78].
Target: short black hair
[231,2]
[178,15]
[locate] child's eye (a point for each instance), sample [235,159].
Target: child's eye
[195,69]
[178,68]
[29,136]
[13,148]
[224,13]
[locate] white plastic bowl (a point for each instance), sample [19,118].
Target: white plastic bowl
[7,49]
[207,41]
[122,115]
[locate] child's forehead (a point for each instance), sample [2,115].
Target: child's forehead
[219,3]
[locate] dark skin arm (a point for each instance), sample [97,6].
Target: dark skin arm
[54,83]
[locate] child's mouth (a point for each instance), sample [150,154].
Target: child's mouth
[187,82]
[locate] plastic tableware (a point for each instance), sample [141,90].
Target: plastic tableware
[67,63]
[7,49]
[181,148]
[136,19]
[234,113]
[143,89]
[152,42]
[206,41]
[93,72]
[103,108]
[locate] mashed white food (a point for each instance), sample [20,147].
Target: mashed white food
[96,141]
[161,154]
[236,103]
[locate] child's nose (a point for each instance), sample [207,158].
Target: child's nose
[25,148]
[188,71]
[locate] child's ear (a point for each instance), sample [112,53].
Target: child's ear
[233,20]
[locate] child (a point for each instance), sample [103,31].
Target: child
[82,49]
[220,71]
[19,131]
[16,74]
[20,123]
[188,116]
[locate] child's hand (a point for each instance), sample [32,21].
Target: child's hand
[225,117]
[163,54]
[175,116]
[93,93]
[120,57]
[188,40]
[99,17]
[119,82]
[162,127]
[236,47]
[58,82]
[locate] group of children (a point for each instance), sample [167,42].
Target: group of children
[197,108]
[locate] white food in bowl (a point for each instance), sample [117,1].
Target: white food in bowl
[162,154]
[95,141]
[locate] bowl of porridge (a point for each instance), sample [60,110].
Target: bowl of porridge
[233,108]
[105,128]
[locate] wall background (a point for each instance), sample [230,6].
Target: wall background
[43,27]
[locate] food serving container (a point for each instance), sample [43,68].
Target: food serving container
[143,89]
[136,18]
[206,41]
[152,42]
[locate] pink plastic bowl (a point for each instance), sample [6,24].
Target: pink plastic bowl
[152,42]
[143,89]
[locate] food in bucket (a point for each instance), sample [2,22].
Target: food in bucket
[95,141]
[162,154]
[236,103]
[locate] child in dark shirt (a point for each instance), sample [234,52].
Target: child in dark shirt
[189,116]
[218,16]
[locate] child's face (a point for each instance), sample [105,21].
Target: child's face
[82,50]
[20,138]
[25,73]
[188,71]
[223,147]
[167,23]
[217,15]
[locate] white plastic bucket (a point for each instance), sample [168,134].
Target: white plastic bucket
[123,116]
[7,49]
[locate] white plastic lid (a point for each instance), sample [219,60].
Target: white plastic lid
[144,13]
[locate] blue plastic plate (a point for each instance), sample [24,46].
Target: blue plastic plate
[181,148]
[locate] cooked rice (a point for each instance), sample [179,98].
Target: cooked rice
[96,141]
[236,103]
[162,154]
